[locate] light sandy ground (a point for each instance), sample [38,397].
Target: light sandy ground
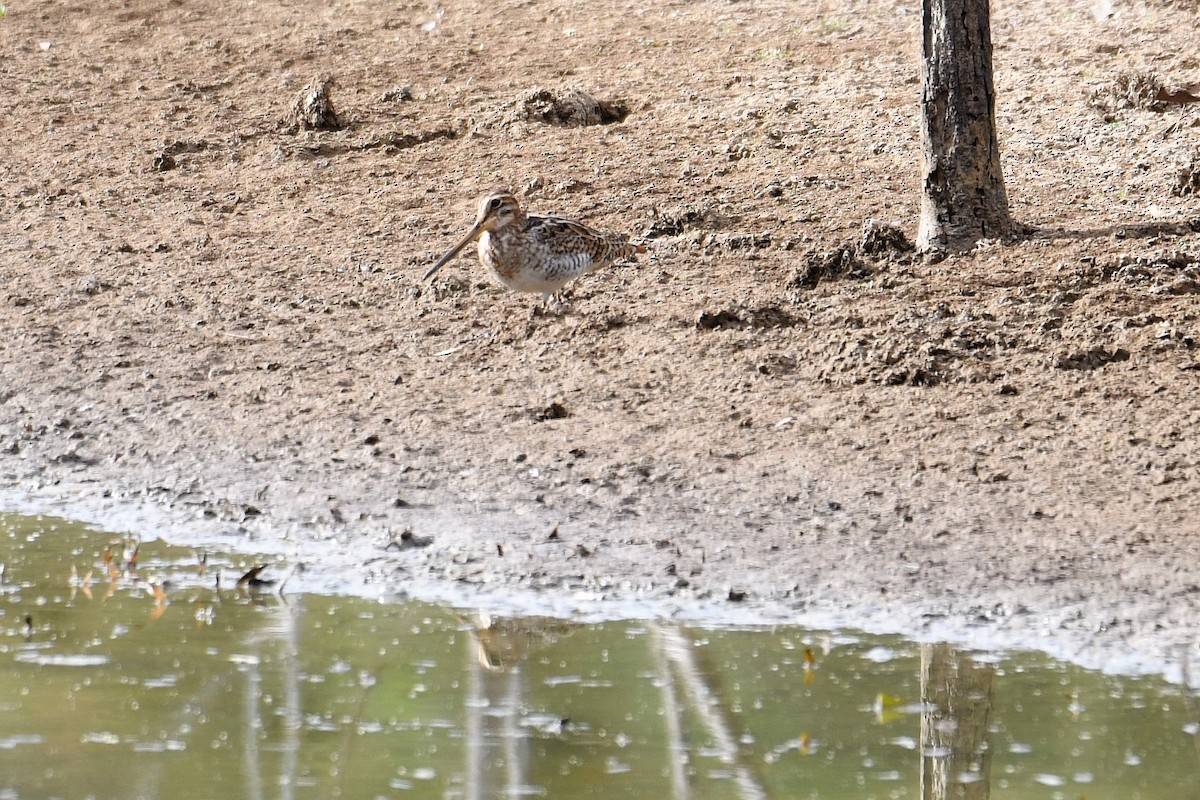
[217,324]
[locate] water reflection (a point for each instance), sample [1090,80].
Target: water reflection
[204,689]
[956,704]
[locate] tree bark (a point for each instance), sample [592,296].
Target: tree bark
[963,197]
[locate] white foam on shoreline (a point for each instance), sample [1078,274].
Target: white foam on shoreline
[334,567]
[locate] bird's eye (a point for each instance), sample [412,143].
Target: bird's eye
[494,204]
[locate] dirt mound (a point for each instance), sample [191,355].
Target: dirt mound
[571,108]
[313,110]
[1142,90]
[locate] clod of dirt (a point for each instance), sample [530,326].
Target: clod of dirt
[407,540]
[555,410]
[772,189]
[313,110]
[814,267]
[164,159]
[532,186]
[1168,259]
[883,239]
[911,377]
[91,285]
[772,364]
[401,94]
[740,318]
[672,224]
[1090,359]
[1175,272]
[1187,181]
[713,320]
[1130,89]
[879,241]
[1140,89]
[572,108]
[740,241]
[738,148]
[571,186]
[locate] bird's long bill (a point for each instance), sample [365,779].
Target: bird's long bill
[441,262]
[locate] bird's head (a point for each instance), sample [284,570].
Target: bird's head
[498,209]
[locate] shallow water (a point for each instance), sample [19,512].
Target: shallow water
[227,691]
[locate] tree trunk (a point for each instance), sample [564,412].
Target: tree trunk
[963,198]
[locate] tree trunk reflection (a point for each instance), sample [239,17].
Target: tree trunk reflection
[956,755]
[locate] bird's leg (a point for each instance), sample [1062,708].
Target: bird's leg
[530,323]
[561,299]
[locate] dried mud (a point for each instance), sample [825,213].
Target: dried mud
[214,317]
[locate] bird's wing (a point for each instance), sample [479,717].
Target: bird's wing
[575,247]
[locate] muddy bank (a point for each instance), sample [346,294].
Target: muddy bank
[212,314]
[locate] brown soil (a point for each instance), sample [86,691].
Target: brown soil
[213,311]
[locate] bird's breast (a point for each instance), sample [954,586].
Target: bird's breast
[502,255]
[522,263]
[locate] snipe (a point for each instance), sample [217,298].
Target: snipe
[536,254]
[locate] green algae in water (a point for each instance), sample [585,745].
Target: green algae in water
[224,691]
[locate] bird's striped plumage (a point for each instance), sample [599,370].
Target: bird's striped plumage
[533,253]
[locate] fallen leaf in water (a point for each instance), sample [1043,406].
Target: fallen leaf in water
[159,610]
[113,574]
[159,595]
